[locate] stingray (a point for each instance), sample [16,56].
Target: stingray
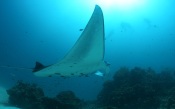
[87,54]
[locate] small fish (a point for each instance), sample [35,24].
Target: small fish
[81,29]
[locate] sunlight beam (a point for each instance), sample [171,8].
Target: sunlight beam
[121,4]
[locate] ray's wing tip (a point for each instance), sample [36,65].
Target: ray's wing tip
[98,10]
[97,7]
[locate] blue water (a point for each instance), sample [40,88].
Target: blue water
[37,30]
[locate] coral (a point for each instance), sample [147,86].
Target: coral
[52,103]
[130,89]
[171,99]
[68,97]
[29,96]
[138,89]
[25,95]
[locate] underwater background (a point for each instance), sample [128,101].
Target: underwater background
[141,35]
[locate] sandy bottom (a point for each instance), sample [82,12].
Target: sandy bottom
[3,95]
[7,107]
[4,99]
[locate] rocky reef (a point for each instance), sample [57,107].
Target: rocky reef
[139,89]
[30,96]
[135,88]
[25,95]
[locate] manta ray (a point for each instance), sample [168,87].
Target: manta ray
[85,57]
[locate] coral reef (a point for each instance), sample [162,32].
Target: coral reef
[29,96]
[139,89]
[68,98]
[130,89]
[24,95]
[53,103]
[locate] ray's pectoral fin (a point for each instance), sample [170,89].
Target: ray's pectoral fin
[86,56]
